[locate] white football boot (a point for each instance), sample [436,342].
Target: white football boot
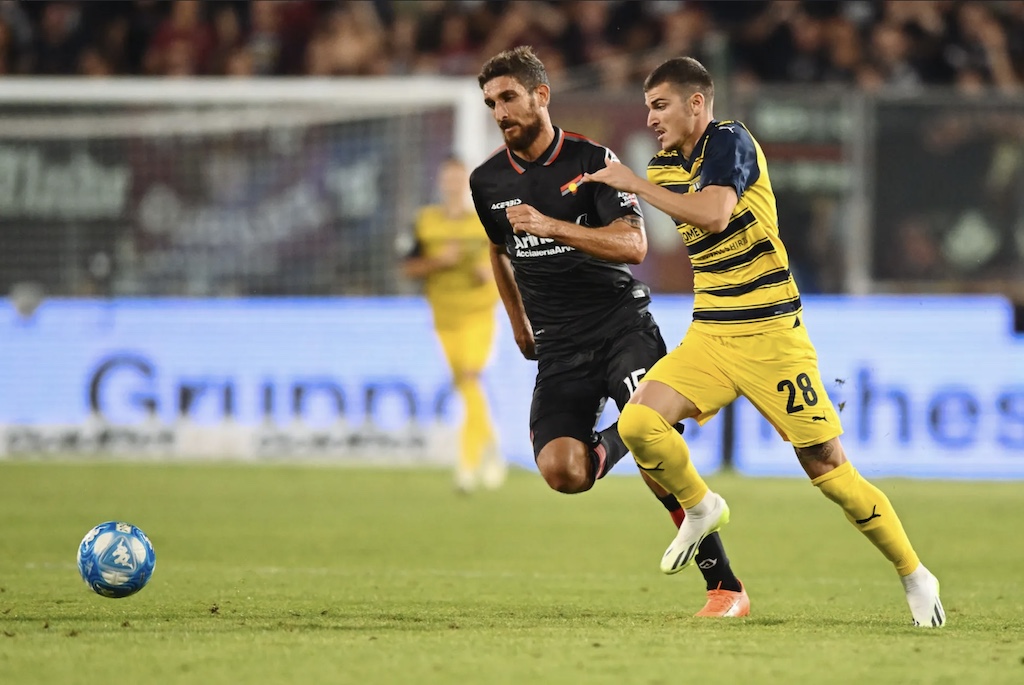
[466,481]
[710,514]
[922,590]
[493,471]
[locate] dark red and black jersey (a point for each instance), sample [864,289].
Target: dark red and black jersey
[573,300]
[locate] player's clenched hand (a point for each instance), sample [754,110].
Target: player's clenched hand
[616,175]
[526,219]
[525,341]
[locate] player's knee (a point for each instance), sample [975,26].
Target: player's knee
[818,460]
[465,378]
[564,473]
[639,426]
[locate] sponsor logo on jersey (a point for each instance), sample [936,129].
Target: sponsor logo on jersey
[571,186]
[691,233]
[506,204]
[527,241]
[528,246]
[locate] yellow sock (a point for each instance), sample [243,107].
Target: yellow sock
[869,510]
[477,430]
[661,452]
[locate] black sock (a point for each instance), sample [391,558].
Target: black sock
[711,558]
[670,503]
[714,565]
[614,450]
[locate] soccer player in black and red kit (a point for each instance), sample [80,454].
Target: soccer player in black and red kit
[559,250]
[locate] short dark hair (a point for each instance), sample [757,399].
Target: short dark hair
[521,63]
[682,71]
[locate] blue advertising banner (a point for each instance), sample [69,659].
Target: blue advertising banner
[927,386]
[930,387]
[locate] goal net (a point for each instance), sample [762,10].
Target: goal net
[208,188]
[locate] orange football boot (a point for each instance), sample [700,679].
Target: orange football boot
[726,603]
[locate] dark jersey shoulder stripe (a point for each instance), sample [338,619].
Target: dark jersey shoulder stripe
[681,188]
[740,223]
[768,279]
[747,314]
[759,248]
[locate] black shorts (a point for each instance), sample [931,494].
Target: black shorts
[571,389]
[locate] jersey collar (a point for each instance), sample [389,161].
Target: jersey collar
[699,147]
[545,159]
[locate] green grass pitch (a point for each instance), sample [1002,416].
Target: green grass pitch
[288,574]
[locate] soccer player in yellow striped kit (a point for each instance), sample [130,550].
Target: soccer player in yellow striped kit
[747,336]
[452,256]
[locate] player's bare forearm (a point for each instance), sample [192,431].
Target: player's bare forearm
[505,279]
[421,267]
[624,240]
[708,209]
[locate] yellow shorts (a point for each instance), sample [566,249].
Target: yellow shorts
[467,341]
[777,371]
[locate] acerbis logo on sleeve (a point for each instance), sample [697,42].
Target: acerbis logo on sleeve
[506,204]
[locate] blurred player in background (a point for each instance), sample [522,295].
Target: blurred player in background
[451,256]
[560,251]
[747,337]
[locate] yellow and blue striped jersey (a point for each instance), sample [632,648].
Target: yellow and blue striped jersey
[742,283]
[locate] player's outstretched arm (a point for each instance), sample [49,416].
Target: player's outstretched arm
[623,240]
[505,279]
[708,209]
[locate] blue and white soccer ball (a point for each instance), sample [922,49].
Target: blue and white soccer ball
[116,559]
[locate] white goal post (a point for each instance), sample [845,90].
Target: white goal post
[273,186]
[473,131]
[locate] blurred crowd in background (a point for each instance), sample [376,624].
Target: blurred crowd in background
[610,44]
